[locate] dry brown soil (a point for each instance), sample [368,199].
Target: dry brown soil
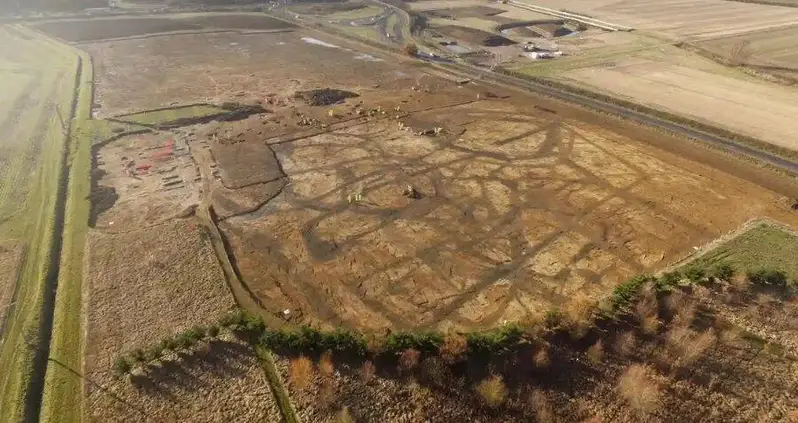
[519,207]
[691,19]
[518,210]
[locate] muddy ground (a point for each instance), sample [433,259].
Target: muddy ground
[516,204]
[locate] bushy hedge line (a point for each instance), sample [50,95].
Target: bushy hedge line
[184,341]
[497,341]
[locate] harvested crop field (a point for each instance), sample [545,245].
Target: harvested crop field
[692,19]
[80,31]
[419,203]
[758,109]
[777,48]
[147,284]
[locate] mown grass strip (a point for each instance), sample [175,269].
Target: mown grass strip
[275,382]
[62,396]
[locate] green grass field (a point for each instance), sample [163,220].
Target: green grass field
[30,185]
[763,246]
[171,115]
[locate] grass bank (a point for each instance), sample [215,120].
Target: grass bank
[62,392]
[23,353]
[764,246]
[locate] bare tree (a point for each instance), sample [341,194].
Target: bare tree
[740,53]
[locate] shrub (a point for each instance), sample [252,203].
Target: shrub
[410,49]
[234,318]
[165,345]
[723,272]
[137,355]
[668,280]
[326,366]
[696,274]
[453,347]
[252,324]
[121,366]
[172,344]
[213,331]
[343,416]
[625,293]
[596,352]
[421,341]
[344,341]
[542,405]
[541,358]
[195,334]
[409,359]
[768,277]
[639,386]
[300,372]
[184,341]
[367,371]
[553,318]
[625,343]
[492,391]
[152,353]
[687,346]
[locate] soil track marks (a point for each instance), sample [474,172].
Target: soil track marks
[516,215]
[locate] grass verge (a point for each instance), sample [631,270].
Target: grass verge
[22,353]
[62,392]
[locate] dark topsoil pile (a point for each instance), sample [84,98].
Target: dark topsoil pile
[324,96]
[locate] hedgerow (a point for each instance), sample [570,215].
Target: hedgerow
[502,340]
